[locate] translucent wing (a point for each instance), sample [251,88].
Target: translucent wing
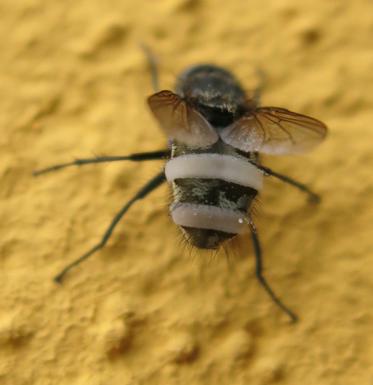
[180,121]
[275,131]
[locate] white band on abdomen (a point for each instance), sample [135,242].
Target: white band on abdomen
[215,166]
[208,217]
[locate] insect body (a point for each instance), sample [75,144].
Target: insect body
[213,183]
[216,134]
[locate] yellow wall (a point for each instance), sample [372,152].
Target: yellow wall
[147,310]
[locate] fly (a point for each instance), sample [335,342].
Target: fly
[216,134]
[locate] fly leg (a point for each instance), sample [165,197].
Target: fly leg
[313,197]
[260,87]
[259,273]
[137,157]
[142,193]
[153,65]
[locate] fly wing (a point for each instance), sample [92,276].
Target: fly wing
[276,131]
[180,121]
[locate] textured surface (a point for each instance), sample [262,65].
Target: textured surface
[148,310]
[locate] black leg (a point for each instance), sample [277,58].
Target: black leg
[137,157]
[142,193]
[152,61]
[259,273]
[259,89]
[313,197]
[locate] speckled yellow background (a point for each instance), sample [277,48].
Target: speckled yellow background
[73,82]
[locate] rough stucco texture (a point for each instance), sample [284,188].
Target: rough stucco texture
[147,309]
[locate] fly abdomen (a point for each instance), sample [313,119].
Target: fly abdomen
[212,194]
